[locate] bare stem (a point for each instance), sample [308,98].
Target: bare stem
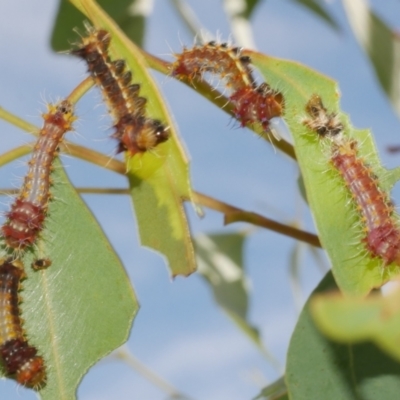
[234,214]
[94,157]
[17,121]
[13,154]
[74,96]
[87,190]
[80,90]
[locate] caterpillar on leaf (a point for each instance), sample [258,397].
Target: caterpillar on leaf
[19,358]
[372,202]
[27,214]
[134,130]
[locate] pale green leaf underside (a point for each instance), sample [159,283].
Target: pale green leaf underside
[159,180]
[82,307]
[335,215]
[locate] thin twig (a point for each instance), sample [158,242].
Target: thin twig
[80,90]
[234,214]
[15,153]
[17,121]
[94,157]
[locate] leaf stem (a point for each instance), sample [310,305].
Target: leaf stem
[15,153]
[80,90]
[94,157]
[17,121]
[73,97]
[234,214]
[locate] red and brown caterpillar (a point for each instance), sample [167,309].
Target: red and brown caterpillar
[26,217]
[135,132]
[18,357]
[219,59]
[252,103]
[373,203]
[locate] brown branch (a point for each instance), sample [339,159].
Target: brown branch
[94,157]
[234,214]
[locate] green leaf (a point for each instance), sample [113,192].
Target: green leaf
[337,219]
[318,368]
[376,318]
[380,43]
[159,180]
[315,7]
[81,307]
[220,261]
[128,14]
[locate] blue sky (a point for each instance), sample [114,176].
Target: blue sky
[179,333]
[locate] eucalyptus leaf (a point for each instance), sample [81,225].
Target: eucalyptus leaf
[159,179]
[336,216]
[81,307]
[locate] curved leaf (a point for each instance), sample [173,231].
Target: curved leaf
[337,220]
[159,180]
[318,368]
[81,307]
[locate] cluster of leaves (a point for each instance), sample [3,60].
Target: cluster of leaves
[158,185]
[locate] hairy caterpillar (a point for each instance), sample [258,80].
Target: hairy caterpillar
[133,129]
[376,210]
[220,59]
[252,103]
[19,358]
[26,217]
